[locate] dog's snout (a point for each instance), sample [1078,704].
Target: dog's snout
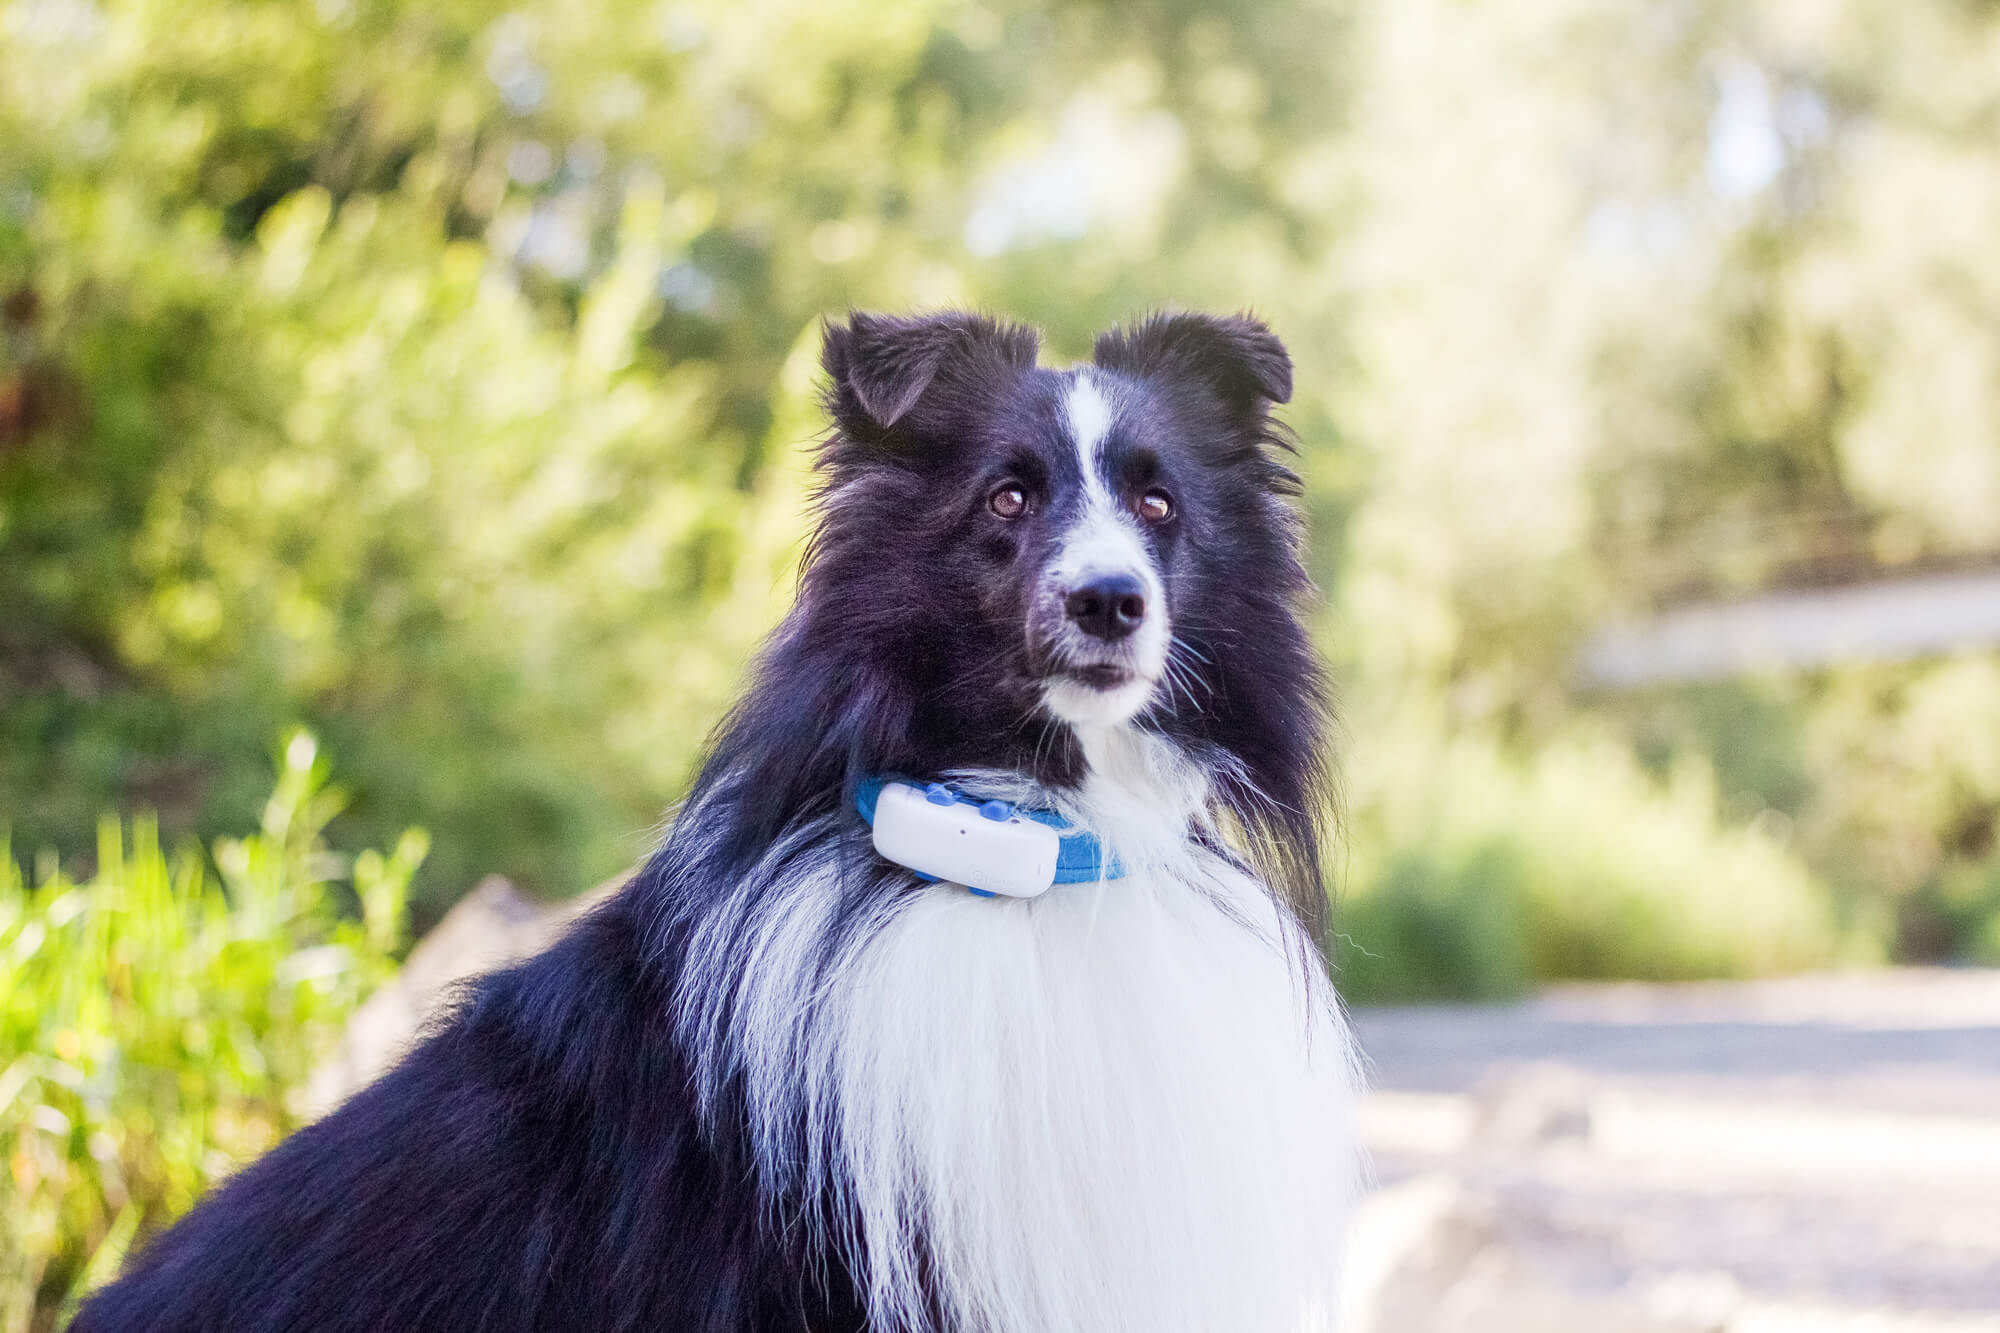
[1109,607]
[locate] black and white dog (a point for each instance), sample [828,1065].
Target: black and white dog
[781,1082]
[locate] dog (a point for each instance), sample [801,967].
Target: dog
[784,1080]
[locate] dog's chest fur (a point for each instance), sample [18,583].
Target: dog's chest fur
[1120,1106]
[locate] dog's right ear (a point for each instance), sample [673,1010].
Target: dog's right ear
[883,366]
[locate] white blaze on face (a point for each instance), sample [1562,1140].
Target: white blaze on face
[1105,540]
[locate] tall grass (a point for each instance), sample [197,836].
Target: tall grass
[157,1025]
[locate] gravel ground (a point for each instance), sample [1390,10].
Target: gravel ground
[1818,1153]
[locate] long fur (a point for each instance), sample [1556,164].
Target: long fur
[777,1083]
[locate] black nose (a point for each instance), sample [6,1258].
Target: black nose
[1108,608]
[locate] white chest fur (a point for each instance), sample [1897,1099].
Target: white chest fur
[1108,1109]
[1117,1108]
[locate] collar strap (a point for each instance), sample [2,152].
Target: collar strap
[991,847]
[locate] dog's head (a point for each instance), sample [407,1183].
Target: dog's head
[1042,551]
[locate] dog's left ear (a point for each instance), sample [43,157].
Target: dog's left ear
[1236,356]
[883,366]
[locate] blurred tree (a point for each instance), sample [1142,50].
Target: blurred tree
[439,378]
[1660,300]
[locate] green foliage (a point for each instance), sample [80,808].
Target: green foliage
[1907,798]
[432,374]
[1705,309]
[1573,864]
[158,1025]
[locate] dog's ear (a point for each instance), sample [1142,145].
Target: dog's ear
[882,366]
[1236,356]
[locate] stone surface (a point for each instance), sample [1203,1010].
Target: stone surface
[494,925]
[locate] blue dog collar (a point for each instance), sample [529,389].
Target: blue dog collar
[994,849]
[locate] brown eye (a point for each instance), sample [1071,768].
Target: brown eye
[1155,506]
[1010,502]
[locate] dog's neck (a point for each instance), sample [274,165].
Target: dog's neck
[1144,797]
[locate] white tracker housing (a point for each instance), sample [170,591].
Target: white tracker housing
[966,844]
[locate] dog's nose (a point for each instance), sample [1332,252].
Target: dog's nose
[1108,608]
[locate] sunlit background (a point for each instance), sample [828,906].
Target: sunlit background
[439,379]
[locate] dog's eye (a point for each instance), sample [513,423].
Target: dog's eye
[1009,502]
[1155,506]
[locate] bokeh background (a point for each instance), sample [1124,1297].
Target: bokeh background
[439,378]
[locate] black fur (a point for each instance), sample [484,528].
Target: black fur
[543,1159]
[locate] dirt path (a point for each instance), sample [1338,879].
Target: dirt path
[1819,1153]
